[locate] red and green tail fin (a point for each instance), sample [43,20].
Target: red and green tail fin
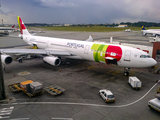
[22,27]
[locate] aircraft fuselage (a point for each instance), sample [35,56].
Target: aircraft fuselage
[121,55]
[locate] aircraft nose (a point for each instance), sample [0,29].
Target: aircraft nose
[153,62]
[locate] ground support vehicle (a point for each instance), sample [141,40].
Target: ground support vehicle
[134,82]
[31,88]
[158,92]
[15,87]
[158,89]
[54,90]
[155,104]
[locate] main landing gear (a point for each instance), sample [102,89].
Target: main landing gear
[126,71]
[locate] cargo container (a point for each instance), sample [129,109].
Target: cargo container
[31,88]
[25,85]
[134,82]
[36,87]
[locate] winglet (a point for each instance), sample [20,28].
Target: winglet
[89,39]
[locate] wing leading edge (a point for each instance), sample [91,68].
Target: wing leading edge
[36,51]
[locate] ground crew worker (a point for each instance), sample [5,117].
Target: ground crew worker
[20,60]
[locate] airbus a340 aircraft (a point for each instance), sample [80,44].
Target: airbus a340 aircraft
[55,48]
[6,30]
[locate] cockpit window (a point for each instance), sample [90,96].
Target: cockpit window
[145,56]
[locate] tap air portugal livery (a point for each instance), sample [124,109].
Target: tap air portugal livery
[55,48]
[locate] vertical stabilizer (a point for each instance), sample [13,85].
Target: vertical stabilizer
[143,28]
[22,27]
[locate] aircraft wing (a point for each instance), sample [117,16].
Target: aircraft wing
[36,51]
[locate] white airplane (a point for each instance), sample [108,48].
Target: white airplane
[127,30]
[55,48]
[154,32]
[6,30]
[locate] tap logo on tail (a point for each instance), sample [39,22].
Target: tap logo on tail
[21,24]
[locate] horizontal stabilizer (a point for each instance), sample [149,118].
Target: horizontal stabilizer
[109,58]
[16,36]
[89,39]
[34,34]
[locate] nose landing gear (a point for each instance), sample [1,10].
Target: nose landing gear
[126,71]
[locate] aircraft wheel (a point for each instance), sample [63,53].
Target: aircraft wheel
[126,73]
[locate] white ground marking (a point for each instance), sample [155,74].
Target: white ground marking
[62,118]
[81,104]
[20,119]
[24,73]
[5,112]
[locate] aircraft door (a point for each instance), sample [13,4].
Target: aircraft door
[48,43]
[127,55]
[86,49]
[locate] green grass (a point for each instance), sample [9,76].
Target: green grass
[93,29]
[152,28]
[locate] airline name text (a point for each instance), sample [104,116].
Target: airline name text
[75,45]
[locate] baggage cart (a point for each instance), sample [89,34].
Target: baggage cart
[54,90]
[15,87]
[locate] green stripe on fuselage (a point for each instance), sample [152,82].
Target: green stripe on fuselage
[99,52]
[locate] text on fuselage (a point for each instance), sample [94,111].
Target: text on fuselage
[75,45]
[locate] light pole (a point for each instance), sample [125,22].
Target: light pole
[2,22]
[2,89]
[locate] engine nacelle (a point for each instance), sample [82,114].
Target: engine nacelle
[55,61]
[6,59]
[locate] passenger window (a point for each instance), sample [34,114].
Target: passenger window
[102,92]
[148,56]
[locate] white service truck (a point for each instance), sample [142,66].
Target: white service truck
[155,104]
[135,82]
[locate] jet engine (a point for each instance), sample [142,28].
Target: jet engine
[6,59]
[55,61]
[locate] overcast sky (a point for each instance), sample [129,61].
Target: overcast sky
[79,11]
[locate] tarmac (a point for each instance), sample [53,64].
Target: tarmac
[82,81]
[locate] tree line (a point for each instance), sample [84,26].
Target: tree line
[135,24]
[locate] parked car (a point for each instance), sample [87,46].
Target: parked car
[107,95]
